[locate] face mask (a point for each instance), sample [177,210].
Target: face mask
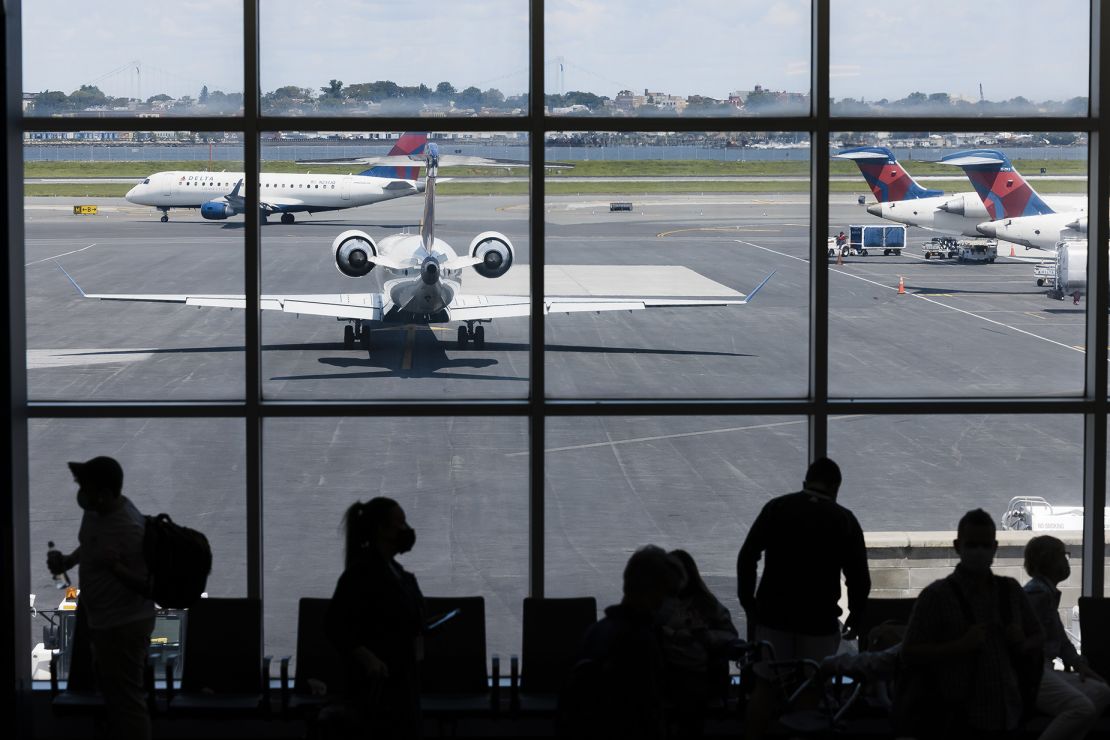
[977,559]
[85,500]
[406,538]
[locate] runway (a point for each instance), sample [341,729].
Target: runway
[613,484]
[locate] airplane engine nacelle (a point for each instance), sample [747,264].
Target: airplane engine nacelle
[496,252]
[968,205]
[1079,224]
[216,210]
[353,251]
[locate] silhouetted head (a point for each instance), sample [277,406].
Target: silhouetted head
[99,483]
[975,541]
[1047,556]
[692,587]
[650,577]
[823,476]
[377,526]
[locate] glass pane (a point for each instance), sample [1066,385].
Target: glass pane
[909,479]
[189,469]
[400,326]
[614,485]
[436,58]
[701,58]
[138,59]
[686,227]
[106,238]
[463,483]
[945,274]
[961,60]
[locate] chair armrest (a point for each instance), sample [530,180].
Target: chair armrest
[266,661]
[55,666]
[284,669]
[495,690]
[514,683]
[171,663]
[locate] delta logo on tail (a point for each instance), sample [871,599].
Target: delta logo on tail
[1003,190]
[410,144]
[888,180]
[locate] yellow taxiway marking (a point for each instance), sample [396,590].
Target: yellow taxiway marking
[410,336]
[1035,315]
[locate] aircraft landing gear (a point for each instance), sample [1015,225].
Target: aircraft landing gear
[472,333]
[359,333]
[348,337]
[165,215]
[288,218]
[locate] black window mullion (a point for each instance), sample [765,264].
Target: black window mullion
[537,261]
[818,226]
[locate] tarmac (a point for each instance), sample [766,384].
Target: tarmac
[613,484]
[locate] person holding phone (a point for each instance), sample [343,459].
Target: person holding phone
[376,619]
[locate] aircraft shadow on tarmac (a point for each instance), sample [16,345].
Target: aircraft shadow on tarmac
[965,291]
[239,225]
[431,358]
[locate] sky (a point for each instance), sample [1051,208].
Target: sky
[704,47]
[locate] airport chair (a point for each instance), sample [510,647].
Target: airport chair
[320,677]
[553,633]
[453,677]
[223,671]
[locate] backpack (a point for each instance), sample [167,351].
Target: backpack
[178,560]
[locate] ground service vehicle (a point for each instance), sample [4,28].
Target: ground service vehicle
[866,238]
[941,247]
[1033,513]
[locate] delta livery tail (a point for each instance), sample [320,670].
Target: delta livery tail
[1003,190]
[410,144]
[889,181]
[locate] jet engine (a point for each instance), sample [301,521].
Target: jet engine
[216,210]
[496,252]
[968,205]
[1079,224]
[353,252]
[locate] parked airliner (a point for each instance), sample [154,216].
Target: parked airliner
[1015,212]
[417,280]
[218,194]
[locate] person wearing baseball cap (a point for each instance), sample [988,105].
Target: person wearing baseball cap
[111,569]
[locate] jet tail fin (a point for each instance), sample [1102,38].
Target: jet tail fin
[1004,192]
[410,143]
[888,180]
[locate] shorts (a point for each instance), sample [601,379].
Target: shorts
[795,646]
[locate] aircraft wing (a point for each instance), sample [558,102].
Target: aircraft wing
[476,307]
[445,160]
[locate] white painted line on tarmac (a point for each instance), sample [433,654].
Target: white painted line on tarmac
[680,435]
[63,254]
[38,359]
[927,299]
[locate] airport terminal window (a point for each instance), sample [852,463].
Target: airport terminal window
[926,362]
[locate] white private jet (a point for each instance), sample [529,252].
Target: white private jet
[418,281]
[217,194]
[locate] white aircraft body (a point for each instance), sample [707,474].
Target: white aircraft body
[902,200]
[1015,212]
[416,279]
[218,194]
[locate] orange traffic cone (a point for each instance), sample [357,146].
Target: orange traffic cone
[901,285]
[1011,250]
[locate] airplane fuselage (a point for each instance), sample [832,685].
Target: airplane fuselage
[287,192]
[419,293]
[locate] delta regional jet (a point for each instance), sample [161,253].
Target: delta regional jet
[416,279]
[218,194]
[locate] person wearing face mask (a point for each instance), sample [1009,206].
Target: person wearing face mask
[375,621]
[1075,699]
[807,540]
[118,618]
[970,647]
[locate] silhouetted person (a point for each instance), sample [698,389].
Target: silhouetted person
[375,621]
[617,687]
[968,640]
[807,540]
[111,565]
[1076,699]
[696,628]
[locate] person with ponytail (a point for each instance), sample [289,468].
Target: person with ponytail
[375,621]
